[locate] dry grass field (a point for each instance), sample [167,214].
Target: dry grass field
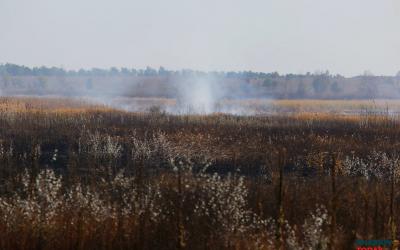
[75,175]
[253,106]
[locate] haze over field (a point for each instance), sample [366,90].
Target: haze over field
[346,37]
[212,124]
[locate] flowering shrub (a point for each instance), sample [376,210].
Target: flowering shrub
[377,165]
[100,146]
[95,178]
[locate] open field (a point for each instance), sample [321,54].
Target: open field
[248,106]
[75,175]
[254,106]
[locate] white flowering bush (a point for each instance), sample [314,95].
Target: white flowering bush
[224,200]
[315,229]
[42,200]
[203,202]
[83,202]
[377,165]
[38,201]
[100,146]
[313,233]
[6,151]
[153,151]
[135,199]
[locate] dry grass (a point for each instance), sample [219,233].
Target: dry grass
[271,106]
[79,176]
[58,105]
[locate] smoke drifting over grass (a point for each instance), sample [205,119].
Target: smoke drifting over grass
[199,95]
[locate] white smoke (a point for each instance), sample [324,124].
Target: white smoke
[199,95]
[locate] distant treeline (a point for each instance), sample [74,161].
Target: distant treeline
[16,79]
[20,70]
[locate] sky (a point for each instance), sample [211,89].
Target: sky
[346,37]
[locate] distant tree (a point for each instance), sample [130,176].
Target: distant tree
[368,88]
[162,71]
[71,73]
[301,90]
[269,83]
[187,72]
[89,84]
[140,72]
[232,74]
[114,71]
[6,81]
[320,83]
[54,71]
[274,74]
[98,72]
[41,83]
[367,73]
[389,80]
[134,72]
[150,71]
[125,71]
[44,71]
[83,72]
[16,70]
[16,82]
[290,76]
[322,73]
[397,80]
[335,87]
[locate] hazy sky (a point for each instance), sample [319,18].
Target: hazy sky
[343,36]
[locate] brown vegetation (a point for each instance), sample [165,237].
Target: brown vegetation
[80,176]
